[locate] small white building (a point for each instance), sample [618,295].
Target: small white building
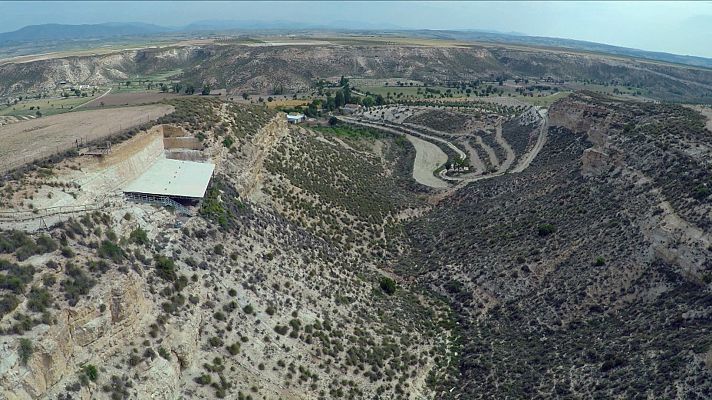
[295,118]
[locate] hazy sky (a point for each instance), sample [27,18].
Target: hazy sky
[675,27]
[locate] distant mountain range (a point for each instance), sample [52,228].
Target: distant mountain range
[495,37]
[53,32]
[63,32]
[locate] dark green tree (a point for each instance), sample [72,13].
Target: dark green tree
[339,99]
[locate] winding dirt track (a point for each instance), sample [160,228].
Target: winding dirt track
[428,156]
[541,140]
[424,163]
[509,153]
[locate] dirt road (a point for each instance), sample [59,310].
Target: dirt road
[27,141]
[509,153]
[428,157]
[87,102]
[541,140]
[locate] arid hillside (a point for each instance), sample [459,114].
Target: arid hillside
[253,296]
[589,274]
[261,69]
[451,241]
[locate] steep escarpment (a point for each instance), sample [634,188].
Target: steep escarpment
[569,283]
[241,300]
[42,75]
[262,69]
[295,68]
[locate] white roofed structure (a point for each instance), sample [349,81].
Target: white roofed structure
[173,178]
[295,118]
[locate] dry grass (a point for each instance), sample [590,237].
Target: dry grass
[24,142]
[129,99]
[287,103]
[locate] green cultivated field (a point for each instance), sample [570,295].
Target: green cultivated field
[47,106]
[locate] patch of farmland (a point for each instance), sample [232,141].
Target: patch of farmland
[27,141]
[129,99]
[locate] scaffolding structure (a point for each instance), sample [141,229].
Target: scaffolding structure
[160,200]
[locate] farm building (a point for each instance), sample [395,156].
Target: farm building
[184,182]
[351,108]
[295,118]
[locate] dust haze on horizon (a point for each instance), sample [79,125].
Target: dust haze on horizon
[675,27]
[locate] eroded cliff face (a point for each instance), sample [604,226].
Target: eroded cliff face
[88,333]
[91,70]
[235,299]
[594,122]
[625,148]
[246,169]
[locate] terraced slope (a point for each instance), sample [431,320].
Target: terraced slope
[587,274]
[487,154]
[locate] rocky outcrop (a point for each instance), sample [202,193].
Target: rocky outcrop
[594,162]
[45,74]
[84,334]
[247,170]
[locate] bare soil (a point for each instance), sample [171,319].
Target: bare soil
[428,157]
[26,141]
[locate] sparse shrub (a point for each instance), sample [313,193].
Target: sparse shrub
[91,372]
[228,142]
[78,284]
[48,279]
[67,252]
[46,244]
[8,302]
[701,192]
[545,229]
[165,268]
[15,277]
[111,251]
[25,350]
[139,237]
[388,285]
[600,261]
[233,349]
[164,353]
[218,249]
[38,299]
[203,379]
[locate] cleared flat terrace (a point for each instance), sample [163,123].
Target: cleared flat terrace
[24,142]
